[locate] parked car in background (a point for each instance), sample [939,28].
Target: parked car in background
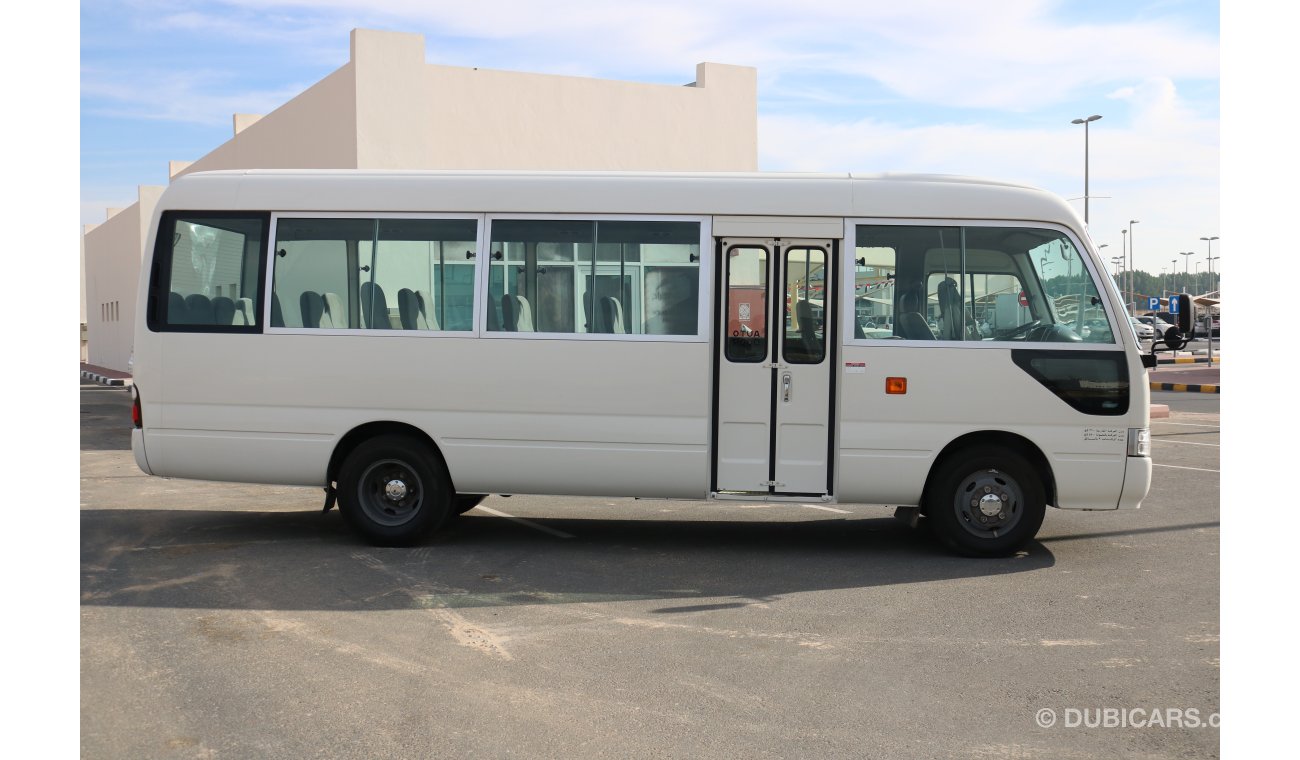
[1144,331]
[1156,323]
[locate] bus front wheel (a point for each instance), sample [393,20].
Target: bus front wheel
[394,491]
[986,502]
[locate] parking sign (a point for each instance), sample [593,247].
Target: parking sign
[1153,303]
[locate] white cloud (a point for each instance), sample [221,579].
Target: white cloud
[196,96]
[1160,166]
[1155,154]
[1011,54]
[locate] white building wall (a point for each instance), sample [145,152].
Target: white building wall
[315,130]
[411,115]
[387,109]
[85,355]
[112,270]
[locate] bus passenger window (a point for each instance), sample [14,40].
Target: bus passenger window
[893,298]
[610,277]
[212,272]
[428,258]
[375,274]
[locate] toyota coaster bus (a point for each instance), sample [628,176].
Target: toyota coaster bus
[414,341]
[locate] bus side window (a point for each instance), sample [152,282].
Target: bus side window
[874,292]
[426,257]
[210,272]
[991,283]
[375,274]
[895,279]
[580,276]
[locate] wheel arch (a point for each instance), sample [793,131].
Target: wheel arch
[364,432]
[986,438]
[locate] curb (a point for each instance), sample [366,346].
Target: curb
[95,377]
[1188,360]
[1184,387]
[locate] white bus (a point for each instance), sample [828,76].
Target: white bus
[413,341]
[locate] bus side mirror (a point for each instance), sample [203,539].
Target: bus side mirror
[1184,312]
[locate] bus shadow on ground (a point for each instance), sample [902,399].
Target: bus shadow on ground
[309,561]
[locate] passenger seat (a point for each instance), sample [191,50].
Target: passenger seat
[517,312]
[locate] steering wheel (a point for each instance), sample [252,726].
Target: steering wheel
[1022,330]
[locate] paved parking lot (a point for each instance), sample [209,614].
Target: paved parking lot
[222,620]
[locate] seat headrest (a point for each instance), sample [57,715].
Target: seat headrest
[949,295]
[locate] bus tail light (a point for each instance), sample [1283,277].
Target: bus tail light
[137,418]
[1139,442]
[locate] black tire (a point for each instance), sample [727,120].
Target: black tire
[394,491]
[464,502]
[966,490]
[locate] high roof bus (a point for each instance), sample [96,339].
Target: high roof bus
[414,341]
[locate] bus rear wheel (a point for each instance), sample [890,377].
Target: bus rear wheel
[986,502]
[394,491]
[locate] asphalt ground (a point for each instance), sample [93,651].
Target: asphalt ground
[226,620]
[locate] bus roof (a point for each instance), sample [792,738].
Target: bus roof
[908,196]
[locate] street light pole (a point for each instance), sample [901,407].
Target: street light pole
[1186,264]
[1085,123]
[1124,255]
[1209,241]
[1131,222]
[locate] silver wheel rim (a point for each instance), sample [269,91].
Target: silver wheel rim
[989,503]
[390,492]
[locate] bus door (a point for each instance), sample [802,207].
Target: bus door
[773,394]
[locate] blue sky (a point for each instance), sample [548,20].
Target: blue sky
[986,89]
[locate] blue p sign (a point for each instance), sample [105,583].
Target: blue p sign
[1153,303]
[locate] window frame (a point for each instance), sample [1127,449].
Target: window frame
[847,315]
[704,315]
[269,273]
[161,275]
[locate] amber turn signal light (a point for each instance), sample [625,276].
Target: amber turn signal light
[895,385]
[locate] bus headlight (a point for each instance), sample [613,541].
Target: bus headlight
[1139,442]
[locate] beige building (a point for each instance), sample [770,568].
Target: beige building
[388,109]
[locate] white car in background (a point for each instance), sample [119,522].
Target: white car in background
[1156,323]
[1144,331]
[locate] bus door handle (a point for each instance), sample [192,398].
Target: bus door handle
[786,383]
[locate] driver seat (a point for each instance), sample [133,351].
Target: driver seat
[910,325]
